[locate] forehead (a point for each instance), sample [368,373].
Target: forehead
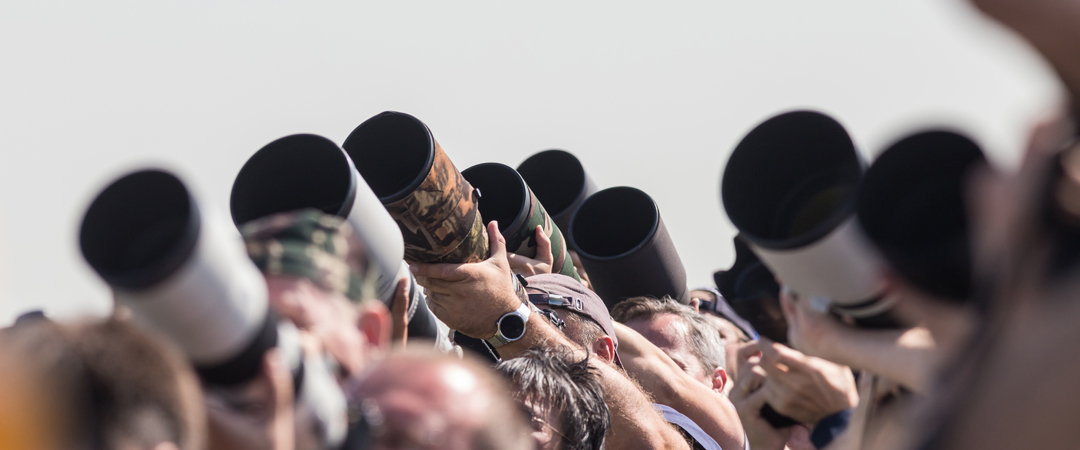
[665,330]
[432,392]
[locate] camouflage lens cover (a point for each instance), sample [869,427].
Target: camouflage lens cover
[440,220]
[522,240]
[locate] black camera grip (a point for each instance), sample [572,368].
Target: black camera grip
[776,419]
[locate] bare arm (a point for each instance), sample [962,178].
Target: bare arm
[670,385]
[472,297]
[905,356]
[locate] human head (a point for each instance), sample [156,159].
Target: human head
[682,334]
[115,386]
[588,322]
[563,396]
[432,400]
[318,276]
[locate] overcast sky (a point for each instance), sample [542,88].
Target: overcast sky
[648,94]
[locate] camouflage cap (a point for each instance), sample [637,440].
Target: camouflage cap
[311,244]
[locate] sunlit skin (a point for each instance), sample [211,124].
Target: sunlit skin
[426,405]
[668,332]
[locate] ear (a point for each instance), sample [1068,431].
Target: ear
[375,324]
[696,304]
[719,380]
[604,347]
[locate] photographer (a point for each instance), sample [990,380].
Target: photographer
[430,400]
[813,392]
[705,417]
[112,386]
[318,277]
[472,299]
[562,396]
[905,356]
[683,335]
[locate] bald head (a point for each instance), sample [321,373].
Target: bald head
[430,400]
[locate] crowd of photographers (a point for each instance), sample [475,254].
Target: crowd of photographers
[382,299]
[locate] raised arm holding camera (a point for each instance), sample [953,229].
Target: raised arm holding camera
[481,300]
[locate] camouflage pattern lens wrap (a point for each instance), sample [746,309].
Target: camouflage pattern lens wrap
[506,198]
[440,220]
[523,240]
[415,180]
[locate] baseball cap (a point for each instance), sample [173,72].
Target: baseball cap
[721,308]
[311,244]
[564,292]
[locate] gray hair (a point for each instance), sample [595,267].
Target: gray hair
[703,337]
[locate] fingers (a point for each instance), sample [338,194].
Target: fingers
[744,354]
[281,390]
[773,354]
[438,285]
[747,391]
[496,242]
[436,307]
[450,272]
[522,264]
[279,377]
[399,312]
[747,350]
[543,247]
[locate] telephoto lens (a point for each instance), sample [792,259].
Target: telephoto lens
[506,198]
[309,171]
[625,248]
[559,180]
[790,188]
[184,274]
[434,206]
[911,205]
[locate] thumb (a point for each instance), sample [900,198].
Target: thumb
[399,311]
[543,246]
[497,244]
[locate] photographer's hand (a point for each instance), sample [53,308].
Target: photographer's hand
[748,396]
[543,261]
[906,356]
[810,331]
[470,298]
[805,388]
[399,314]
[668,384]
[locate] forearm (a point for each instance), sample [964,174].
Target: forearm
[669,385]
[634,421]
[707,408]
[903,356]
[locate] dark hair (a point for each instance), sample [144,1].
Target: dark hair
[118,384]
[571,390]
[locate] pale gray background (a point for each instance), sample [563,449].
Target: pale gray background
[648,94]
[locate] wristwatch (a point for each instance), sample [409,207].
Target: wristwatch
[511,326]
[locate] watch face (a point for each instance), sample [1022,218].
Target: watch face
[512,327]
